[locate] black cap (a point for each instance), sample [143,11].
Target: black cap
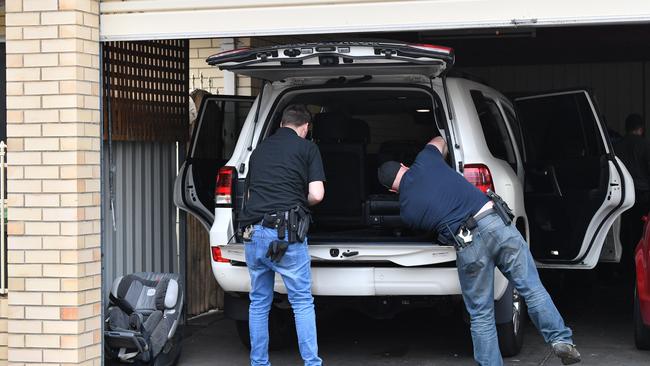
[387,173]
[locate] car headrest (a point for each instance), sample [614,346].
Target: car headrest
[145,292]
[403,151]
[338,127]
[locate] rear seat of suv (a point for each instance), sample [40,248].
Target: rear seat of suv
[342,142]
[354,196]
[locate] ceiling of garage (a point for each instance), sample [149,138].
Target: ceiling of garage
[551,45]
[519,46]
[171,19]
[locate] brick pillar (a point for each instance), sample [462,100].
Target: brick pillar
[53,182]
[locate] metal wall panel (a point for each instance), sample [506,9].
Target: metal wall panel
[144,238]
[619,88]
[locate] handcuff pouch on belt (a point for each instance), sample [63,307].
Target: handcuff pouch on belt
[464,236]
[294,223]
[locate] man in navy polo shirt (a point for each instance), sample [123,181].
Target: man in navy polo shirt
[435,197]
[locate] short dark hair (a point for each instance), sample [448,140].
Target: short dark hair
[296,115]
[633,122]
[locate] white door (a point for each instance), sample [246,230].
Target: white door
[575,186]
[218,123]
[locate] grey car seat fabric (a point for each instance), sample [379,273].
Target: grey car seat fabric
[403,151]
[342,142]
[143,315]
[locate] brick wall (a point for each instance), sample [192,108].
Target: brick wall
[54,301]
[4,305]
[210,78]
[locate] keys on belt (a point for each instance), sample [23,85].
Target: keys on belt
[248,233]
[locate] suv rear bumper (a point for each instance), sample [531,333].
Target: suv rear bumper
[362,281]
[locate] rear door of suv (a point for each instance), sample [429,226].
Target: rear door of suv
[336,59]
[216,131]
[345,62]
[575,186]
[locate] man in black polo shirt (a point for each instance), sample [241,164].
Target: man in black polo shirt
[285,172]
[435,197]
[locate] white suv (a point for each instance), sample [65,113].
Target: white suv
[549,156]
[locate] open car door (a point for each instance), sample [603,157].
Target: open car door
[217,127]
[575,186]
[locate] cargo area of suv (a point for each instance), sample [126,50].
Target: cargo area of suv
[356,130]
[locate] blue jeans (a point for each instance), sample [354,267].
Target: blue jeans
[295,269]
[495,244]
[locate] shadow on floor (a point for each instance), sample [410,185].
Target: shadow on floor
[595,304]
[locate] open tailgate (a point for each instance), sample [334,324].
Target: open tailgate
[356,58]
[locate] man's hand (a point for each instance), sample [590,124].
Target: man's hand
[440,144]
[316,193]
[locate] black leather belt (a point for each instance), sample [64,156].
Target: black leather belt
[484,214]
[294,223]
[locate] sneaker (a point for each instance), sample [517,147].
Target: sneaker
[567,352]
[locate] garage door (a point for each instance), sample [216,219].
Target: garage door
[168,19]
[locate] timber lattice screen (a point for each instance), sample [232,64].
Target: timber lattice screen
[148,86]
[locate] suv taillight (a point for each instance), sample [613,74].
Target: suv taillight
[479,175]
[223,191]
[217,257]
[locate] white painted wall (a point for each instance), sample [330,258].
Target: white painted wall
[167,19]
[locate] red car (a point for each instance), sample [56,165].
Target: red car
[642,290]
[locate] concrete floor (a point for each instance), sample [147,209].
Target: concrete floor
[595,305]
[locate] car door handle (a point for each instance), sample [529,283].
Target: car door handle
[349,254]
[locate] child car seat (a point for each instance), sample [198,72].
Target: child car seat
[142,320]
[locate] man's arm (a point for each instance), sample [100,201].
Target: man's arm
[316,193]
[440,144]
[315,176]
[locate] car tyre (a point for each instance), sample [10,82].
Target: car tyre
[281,330]
[511,334]
[641,331]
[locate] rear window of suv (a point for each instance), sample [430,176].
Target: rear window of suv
[571,133]
[494,128]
